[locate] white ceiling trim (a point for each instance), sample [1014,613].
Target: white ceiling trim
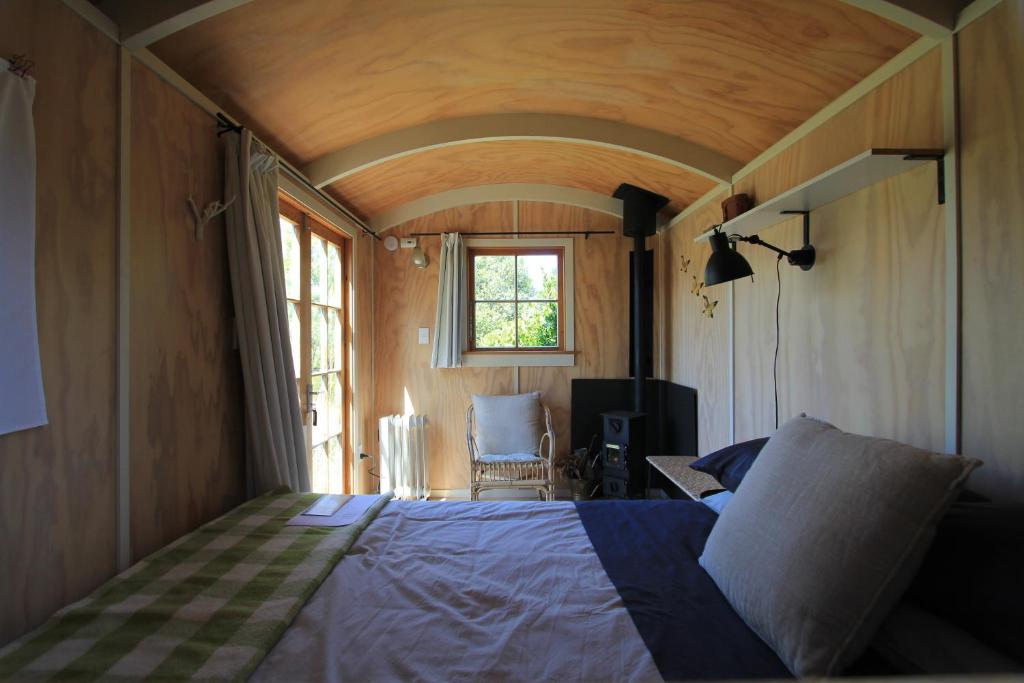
[503,192]
[932,18]
[183,14]
[100,21]
[661,147]
[935,19]
[973,11]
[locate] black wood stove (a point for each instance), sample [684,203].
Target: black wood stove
[624,436]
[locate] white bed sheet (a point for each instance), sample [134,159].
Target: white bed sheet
[495,591]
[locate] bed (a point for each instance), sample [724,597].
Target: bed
[523,591]
[433,591]
[814,551]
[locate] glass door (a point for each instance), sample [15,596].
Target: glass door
[315,259]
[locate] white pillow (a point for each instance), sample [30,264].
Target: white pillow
[508,424]
[823,537]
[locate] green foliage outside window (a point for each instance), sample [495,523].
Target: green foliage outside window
[516,293]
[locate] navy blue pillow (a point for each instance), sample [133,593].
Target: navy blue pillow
[730,464]
[971,574]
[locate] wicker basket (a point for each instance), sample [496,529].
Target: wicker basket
[581,489]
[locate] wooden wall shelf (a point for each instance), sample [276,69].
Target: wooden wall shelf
[863,170]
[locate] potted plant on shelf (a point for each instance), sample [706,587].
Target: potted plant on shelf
[578,467]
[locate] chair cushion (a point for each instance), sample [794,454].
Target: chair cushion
[508,424]
[510,457]
[824,536]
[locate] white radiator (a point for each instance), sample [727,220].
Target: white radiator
[403,456]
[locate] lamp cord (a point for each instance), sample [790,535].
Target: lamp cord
[775,367]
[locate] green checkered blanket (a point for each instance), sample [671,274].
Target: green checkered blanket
[209,606]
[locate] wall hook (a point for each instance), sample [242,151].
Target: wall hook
[212,210]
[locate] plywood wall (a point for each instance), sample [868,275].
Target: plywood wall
[406,299]
[57,481]
[992,106]
[696,348]
[862,332]
[187,442]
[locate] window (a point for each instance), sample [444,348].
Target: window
[315,257]
[515,299]
[520,302]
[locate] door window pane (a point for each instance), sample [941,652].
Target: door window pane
[319,338]
[333,339]
[334,399]
[318,269]
[320,474]
[320,403]
[336,471]
[495,325]
[334,275]
[294,336]
[292,260]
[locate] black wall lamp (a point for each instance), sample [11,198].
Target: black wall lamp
[726,264]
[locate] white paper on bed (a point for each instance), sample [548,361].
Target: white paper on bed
[349,512]
[22,405]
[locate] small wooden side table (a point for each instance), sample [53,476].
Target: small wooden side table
[677,470]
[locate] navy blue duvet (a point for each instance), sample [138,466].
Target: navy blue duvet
[649,550]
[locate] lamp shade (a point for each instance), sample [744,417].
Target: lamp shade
[725,263]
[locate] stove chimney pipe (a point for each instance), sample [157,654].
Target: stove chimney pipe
[640,209]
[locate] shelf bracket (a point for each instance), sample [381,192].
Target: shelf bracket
[803,257]
[807,223]
[940,172]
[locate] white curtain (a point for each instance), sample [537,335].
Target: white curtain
[22,404]
[450,322]
[275,441]
[403,456]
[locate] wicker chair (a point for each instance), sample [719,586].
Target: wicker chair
[490,471]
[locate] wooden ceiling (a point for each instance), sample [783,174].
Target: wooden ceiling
[315,76]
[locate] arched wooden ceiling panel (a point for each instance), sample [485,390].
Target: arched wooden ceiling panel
[683,154]
[598,169]
[314,77]
[508,192]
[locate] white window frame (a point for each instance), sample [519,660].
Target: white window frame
[519,358]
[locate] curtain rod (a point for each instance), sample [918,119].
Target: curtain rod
[227,126]
[586,233]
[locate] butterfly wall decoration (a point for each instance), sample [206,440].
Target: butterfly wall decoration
[709,307]
[686,263]
[696,286]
